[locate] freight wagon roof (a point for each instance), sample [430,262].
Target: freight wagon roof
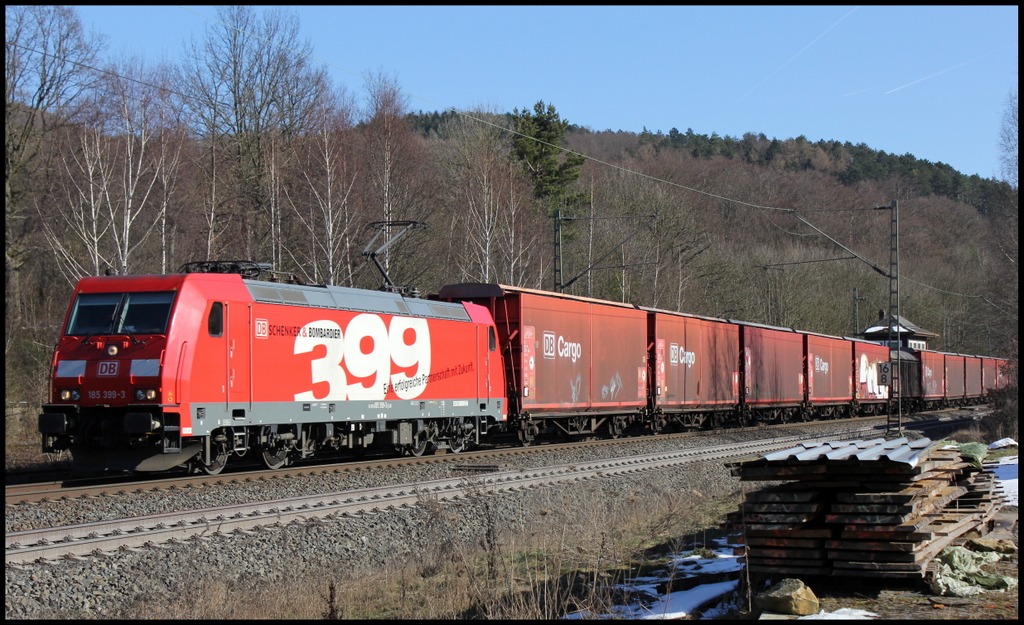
[475,290]
[897,450]
[681,314]
[859,340]
[824,336]
[358,300]
[761,325]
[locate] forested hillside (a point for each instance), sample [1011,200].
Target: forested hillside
[247,151]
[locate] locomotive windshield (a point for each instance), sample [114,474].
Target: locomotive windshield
[120,313]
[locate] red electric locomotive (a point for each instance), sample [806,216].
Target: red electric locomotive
[153,372]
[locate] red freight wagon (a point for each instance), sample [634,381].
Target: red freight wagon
[954,378]
[566,354]
[933,375]
[865,367]
[972,376]
[990,373]
[694,362]
[773,366]
[829,370]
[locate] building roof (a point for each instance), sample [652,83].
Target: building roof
[881,328]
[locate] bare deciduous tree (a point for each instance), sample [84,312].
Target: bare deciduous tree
[251,87]
[330,171]
[47,59]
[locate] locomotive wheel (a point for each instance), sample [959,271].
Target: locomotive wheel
[420,446]
[462,440]
[221,453]
[457,445]
[219,462]
[273,451]
[274,458]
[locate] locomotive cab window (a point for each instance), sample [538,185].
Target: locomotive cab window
[120,313]
[492,343]
[215,324]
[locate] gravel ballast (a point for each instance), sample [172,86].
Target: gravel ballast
[110,585]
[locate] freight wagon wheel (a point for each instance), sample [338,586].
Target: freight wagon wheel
[616,425]
[528,431]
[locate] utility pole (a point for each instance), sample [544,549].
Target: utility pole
[894,423]
[559,285]
[856,312]
[558,250]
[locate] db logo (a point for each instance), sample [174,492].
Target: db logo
[107,368]
[262,328]
[549,344]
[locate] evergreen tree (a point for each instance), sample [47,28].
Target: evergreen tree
[537,147]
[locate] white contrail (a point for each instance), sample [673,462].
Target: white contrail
[794,57]
[949,69]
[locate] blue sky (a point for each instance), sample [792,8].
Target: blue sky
[929,81]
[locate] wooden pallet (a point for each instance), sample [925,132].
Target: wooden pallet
[846,517]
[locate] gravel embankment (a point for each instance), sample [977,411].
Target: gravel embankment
[106,586]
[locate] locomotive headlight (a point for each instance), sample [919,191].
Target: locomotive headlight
[145,394]
[112,350]
[69,394]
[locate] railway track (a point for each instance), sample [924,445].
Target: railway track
[76,541]
[89,538]
[39,492]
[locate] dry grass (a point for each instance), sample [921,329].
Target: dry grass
[567,560]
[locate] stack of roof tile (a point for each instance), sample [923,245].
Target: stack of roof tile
[872,508]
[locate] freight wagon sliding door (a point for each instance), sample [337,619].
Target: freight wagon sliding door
[773,364]
[829,370]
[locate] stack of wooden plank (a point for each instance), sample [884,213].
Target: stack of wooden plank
[872,508]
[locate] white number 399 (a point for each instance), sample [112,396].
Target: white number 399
[365,359]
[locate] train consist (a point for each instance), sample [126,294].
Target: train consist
[191,369]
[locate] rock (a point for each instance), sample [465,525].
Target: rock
[988,544]
[790,596]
